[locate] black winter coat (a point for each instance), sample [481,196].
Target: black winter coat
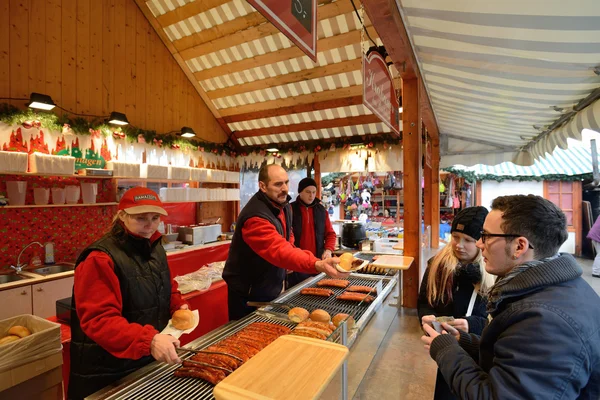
[542,343]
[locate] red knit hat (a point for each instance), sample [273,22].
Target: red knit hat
[139,200]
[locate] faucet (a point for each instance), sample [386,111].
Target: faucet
[20,266]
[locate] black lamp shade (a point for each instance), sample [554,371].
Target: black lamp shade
[187,132]
[117,118]
[41,102]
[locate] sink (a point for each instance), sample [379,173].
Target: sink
[7,278]
[53,269]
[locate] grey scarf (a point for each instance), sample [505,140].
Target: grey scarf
[495,294]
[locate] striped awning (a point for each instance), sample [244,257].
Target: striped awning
[500,73]
[576,160]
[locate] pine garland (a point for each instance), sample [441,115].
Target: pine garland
[82,126]
[471,176]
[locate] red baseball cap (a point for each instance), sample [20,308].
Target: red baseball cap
[139,200]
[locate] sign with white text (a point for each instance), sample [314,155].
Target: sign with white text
[296,19]
[379,94]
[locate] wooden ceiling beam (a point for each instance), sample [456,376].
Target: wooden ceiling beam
[385,16]
[295,109]
[300,76]
[326,11]
[292,101]
[307,126]
[189,10]
[325,44]
[223,30]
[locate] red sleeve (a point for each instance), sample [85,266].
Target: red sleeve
[264,240]
[99,305]
[330,236]
[176,299]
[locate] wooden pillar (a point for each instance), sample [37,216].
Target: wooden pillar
[427,190]
[435,191]
[411,140]
[317,168]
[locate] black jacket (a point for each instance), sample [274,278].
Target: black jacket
[319,215]
[462,290]
[249,277]
[542,343]
[145,285]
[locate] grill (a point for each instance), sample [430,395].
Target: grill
[159,382]
[331,304]
[156,381]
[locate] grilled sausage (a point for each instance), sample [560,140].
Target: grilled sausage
[341,283]
[353,296]
[362,289]
[317,292]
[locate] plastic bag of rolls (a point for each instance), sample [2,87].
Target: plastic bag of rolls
[26,338]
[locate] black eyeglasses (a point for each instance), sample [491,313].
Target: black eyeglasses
[485,235]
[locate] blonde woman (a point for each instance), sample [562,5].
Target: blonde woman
[455,282]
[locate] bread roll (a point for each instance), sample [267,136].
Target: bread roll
[320,316]
[182,319]
[19,331]
[346,261]
[9,339]
[337,320]
[298,314]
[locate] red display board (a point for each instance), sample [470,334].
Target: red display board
[296,19]
[379,94]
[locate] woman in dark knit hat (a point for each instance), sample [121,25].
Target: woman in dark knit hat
[455,283]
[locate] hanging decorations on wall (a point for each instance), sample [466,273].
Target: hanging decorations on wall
[28,118]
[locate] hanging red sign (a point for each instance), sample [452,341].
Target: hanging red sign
[379,94]
[296,19]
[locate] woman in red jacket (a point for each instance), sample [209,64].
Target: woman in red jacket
[123,297]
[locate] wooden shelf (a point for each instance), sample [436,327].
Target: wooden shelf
[61,205]
[55,175]
[152,180]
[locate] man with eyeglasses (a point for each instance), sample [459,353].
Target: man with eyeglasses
[544,339]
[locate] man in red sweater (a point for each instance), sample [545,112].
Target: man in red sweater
[311,226]
[262,246]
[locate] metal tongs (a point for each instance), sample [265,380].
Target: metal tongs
[259,304]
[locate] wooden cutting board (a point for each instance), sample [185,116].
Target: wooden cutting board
[393,262]
[290,368]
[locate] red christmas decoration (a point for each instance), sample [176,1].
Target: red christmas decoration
[60,145]
[104,152]
[16,142]
[158,142]
[175,146]
[38,145]
[119,135]
[141,138]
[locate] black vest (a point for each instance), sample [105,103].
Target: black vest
[319,215]
[145,284]
[246,273]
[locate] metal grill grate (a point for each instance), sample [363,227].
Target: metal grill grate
[332,305]
[162,385]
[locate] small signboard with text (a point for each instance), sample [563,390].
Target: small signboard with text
[296,19]
[379,94]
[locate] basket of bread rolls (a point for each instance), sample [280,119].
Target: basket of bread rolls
[26,338]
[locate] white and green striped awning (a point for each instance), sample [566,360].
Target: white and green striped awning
[576,160]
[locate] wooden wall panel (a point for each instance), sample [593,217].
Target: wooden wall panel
[69,55]
[4,49]
[83,57]
[130,58]
[37,32]
[108,59]
[142,27]
[96,33]
[19,50]
[94,57]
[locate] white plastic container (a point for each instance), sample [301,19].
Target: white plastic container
[41,196]
[89,192]
[385,245]
[16,192]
